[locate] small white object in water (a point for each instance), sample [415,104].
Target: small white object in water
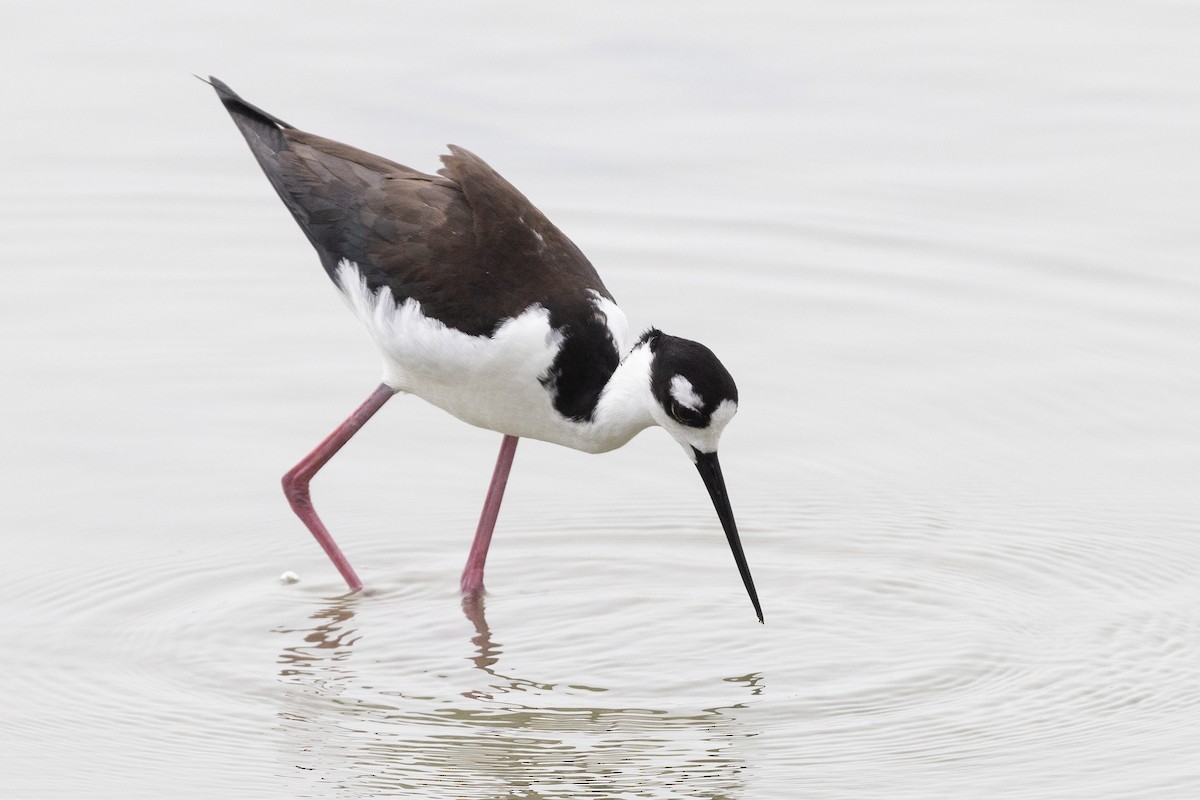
[289,577]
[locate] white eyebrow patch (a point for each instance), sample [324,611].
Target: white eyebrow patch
[683,393]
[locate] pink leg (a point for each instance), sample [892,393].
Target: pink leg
[295,482]
[472,577]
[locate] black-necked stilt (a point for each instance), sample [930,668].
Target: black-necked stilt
[481,306]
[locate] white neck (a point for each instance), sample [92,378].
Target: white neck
[624,408]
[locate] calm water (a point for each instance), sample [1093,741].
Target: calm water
[948,250]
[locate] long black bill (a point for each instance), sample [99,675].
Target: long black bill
[710,471]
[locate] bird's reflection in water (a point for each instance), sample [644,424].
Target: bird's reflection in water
[317,670]
[361,727]
[329,641]
[487,653]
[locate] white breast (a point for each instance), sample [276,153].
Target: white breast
[492,382]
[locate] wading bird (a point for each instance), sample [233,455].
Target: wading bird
[482,307]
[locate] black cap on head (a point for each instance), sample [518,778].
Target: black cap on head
[687,379]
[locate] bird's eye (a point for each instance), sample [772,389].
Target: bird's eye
[687,416]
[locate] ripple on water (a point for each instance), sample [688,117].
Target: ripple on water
[961,641]
[167,655]
[993,643]
[384,718]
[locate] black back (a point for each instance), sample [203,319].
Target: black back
[464,243]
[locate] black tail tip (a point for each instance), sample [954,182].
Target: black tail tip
[236,106]
[222,88]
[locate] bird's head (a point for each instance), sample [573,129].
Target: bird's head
[694,399]
[694,395]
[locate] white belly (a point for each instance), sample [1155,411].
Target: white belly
[491,382]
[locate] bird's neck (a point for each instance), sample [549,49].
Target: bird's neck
[624,407]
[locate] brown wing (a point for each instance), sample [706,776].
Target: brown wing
[465,243]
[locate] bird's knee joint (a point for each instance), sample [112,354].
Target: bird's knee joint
[295,488]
